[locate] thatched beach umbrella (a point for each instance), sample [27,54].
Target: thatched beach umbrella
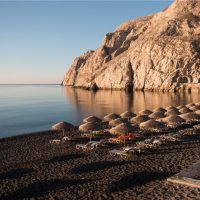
[152,125]
[197,112]
[127,115]
[157,115]
[181,107]
[190,105]
[195,108]
[191,117]
[172,112]
[117,121]
[139,119]
[185,110]
[92,119]
[145,112]
[171,108]
[89,126]
[110,117]
[63,126]
[160,109]
[173,120]
[122,128]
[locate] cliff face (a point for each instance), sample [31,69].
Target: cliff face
[157,52]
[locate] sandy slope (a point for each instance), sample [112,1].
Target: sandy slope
[30,167]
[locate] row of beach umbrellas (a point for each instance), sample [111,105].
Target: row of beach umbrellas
[160,119]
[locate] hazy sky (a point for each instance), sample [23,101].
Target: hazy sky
[39,40]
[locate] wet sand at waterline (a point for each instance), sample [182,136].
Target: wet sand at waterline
[31,167]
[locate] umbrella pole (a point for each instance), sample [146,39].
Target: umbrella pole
[90,137]
[63,133]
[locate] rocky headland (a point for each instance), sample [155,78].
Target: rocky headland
[159,52]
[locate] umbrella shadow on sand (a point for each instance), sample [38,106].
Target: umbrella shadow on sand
[41,188]
[96,166]
[64,158]
[136,179]
[15,173]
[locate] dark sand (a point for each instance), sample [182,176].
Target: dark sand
[32,168]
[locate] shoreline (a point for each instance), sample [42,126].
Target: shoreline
[185,88]
[31,167]
[27,134]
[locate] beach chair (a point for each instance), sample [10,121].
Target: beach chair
[156,142]
[168,138]
[83,147]
[124,152]
[55,141]
[152,143]
[89,146]
[114,140]
[66,138]
[146,144]
[121,138]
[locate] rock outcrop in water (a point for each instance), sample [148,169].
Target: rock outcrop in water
[156,52]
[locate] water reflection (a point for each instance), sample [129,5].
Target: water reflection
[105,101]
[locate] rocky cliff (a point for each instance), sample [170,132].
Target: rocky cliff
[156,52]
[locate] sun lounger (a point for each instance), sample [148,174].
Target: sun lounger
[167,138]
[148,144]
[88,146]
[65,138]
[139,147]
[96,144]
[55,141]
[84,147]
[156,141]
[58,141]
[115,140]
[122,138]
[123,152]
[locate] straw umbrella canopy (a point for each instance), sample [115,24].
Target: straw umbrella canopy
[145,112]
[152,125]
[110,117]
[197,112]
[122,128]
[172,112]
[173,120]
[191,117]
[195,108]
[139,119]
[171,108]
[89,126]
[127,115]
[63,126]
[157,115]
[185,110]
[190,105]
[92,119]
[117,121]
[181,107]
[160,109]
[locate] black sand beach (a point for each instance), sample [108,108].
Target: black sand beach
[32,168]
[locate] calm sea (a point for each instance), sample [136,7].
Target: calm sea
[29,108]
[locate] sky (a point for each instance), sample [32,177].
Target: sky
[40,40]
